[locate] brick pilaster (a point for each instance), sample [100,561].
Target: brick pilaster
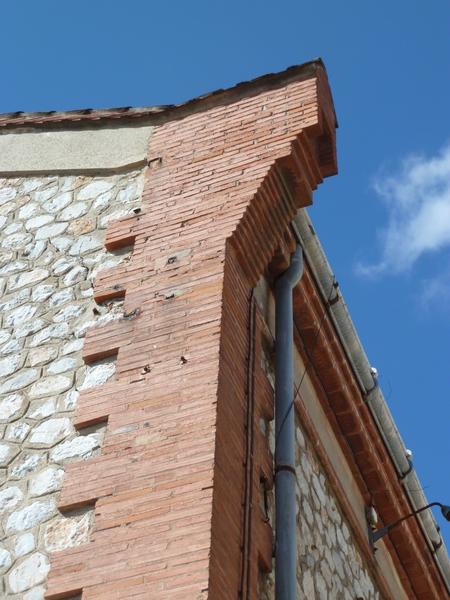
[224,182]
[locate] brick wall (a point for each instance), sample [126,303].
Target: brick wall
[168,486]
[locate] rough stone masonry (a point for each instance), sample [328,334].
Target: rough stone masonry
[330,565]
[52,233]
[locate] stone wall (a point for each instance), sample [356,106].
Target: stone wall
[330,566]
[52,231]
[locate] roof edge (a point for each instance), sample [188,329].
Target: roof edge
[161,113]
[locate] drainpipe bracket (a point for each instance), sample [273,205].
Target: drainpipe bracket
[284,468]
[406,473]
[368,392]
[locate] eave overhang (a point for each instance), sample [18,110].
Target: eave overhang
[89,117]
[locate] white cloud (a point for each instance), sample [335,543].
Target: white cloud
[417,199]
[435,292]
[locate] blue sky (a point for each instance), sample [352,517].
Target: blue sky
[384,221]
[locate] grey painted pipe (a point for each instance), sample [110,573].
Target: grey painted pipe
[285,500]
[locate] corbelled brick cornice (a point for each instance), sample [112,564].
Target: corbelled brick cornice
[224,182]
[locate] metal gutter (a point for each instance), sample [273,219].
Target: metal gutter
[374,396]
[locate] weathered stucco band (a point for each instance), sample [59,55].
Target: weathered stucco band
[42,151]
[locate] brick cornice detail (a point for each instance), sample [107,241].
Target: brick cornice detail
[214,210]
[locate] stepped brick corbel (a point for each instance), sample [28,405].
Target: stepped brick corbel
[227,175]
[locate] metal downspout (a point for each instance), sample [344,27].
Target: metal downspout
[285,482]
